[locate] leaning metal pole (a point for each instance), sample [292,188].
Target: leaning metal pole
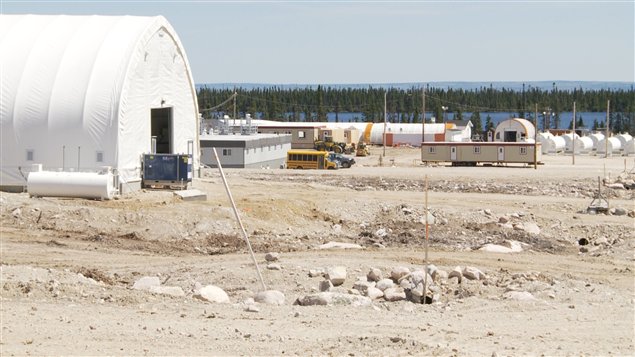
[240,223]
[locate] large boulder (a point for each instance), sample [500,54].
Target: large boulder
[212,293]
[271,297]
[336,274]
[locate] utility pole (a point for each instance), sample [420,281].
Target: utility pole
[536,137]
[606,137]
[573,141]
[423,117]
[385,111]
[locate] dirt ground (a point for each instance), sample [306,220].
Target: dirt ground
[68,266]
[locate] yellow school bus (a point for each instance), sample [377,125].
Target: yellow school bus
[309,159]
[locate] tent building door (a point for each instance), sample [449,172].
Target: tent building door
[501,153]
[161,128]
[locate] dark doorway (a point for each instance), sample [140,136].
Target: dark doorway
[510,136]
[161,119]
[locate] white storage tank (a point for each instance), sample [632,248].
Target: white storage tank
[629,148]
[551,144]
[71,184]
[614,146]
[596,137]
[624,138]
[568,141]
[583,145]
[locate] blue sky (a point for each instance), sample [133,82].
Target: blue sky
[336,42]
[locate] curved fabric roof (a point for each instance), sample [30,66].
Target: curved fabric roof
[73,86]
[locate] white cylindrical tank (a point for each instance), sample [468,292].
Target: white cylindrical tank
[614,145]
[629,148]
[583,145]
[568,141]
[550,144]
[71,184]
[624,138]
[596,137]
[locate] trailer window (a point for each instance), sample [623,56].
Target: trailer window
[523,151]
[477,150]
[227,152]
[301,134]
[432,150]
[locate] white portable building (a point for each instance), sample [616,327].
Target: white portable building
[514,130]
[80,93]
[614,146]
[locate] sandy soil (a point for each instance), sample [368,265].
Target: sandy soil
[68,265]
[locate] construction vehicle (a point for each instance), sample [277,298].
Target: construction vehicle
[341,160]
[328,145]
[362,150]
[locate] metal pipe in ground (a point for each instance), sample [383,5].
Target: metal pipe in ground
[240,223]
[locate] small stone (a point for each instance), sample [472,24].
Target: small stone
[457,273]
[272,256]
[271,297]
[325,285]
[252,308]
[146,283]
[472,273]
[399,272]
[384,284]
[212,293]
[374,293]
[394,294]
[374,275]
[274,266]
[336,274]
[316,272]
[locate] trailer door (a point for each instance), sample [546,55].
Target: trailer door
[501,153]
[453,153]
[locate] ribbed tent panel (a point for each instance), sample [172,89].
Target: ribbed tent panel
[77,92]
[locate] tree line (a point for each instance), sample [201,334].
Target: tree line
[406,105]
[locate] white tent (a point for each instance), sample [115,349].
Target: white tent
[550,144]
[568,141]
[83,92]
[515,130]
[629,148]
[613,144]
[624,138]
[596,138]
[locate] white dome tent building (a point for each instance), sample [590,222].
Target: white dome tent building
[80,93]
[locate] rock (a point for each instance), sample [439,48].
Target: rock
[336,274]
[519,295]
[457,273]
[600,241]
[384,284]
[316,272]
[394,294]
[381,233]
[271,297]
[374,293]
[528,227]
[510,247]
[379,245]
[473,273]
[431,219]
[487,211]
[619,211]
[337,228]
[440,275]
[325,285]
[146,283]
[374,275]
[363,286]
[615,186]
[16,212]
[274,266]
[398,272]
[339,245]
[272,256]
[212,293]
[330,298]
[252,308]
[167,290]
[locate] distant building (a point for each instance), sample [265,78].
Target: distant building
[245,151]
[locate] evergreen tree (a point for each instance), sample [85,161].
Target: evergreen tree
[476,122]
[488,123]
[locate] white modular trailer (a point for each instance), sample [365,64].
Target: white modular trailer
[613,144]
[514,130]
[246,151]
[82,93]
[474,153]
